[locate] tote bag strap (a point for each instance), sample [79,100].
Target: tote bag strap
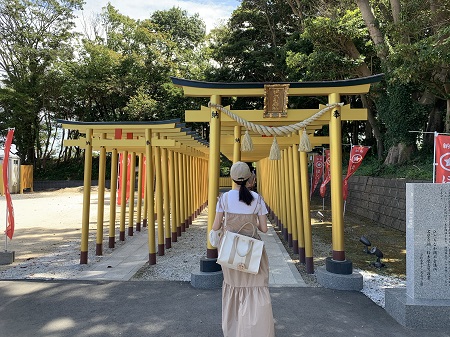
[225,208]
[258,205]
[255,231]
[247,254]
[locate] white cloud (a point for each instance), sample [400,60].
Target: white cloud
[212,12]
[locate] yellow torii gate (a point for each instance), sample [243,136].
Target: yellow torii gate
[173,152]
[226,136]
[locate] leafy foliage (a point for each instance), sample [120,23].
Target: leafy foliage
[418,168]
[249,46]
[34,38]
[333,40]
[401,115]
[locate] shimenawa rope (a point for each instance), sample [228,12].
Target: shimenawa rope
[247,144]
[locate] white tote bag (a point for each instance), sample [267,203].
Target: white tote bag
[240,252]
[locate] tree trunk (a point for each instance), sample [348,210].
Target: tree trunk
[434,124]
[396,10]
[297,9]
[364,71]
[353,52]
[375,33]
[368,104]
[355,132]
[398,154]
[435,120]
[447,117]
[395,7]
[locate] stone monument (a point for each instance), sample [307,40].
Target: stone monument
[425,303]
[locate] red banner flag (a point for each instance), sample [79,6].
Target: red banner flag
[9,206]
[317,172]
[326,180]
[119,179]
[357,155]
[442,159]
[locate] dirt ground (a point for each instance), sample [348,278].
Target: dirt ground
[45,220]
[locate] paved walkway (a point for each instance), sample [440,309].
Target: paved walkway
[282,270]
[103,303]
[126,260]
[176,309]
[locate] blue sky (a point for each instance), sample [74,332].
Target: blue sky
[211,11]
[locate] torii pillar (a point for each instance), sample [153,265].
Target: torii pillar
[213,170]
[210,273]
[338,271]
[337,208]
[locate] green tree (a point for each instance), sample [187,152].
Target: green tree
[34,37]
[411,41]
[124,73]
[340,48]
[249,46]
[185,36]
[407,40]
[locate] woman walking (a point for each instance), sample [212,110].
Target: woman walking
[246,304]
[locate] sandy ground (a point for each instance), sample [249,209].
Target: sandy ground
[46,222]
[47,239]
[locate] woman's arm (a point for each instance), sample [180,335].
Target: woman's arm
[217,221]
[262,223]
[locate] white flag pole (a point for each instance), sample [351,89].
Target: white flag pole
[434,157]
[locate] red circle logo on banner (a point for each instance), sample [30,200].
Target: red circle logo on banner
[444,161]
[356,158]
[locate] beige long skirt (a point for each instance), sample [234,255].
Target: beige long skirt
[246,304]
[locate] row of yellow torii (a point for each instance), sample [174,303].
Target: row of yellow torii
[183,176]
[175,188]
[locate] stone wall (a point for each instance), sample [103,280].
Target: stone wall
[378,199]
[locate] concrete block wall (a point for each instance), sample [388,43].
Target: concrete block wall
[378,199]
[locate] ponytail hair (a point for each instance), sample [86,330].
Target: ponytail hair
[244,194]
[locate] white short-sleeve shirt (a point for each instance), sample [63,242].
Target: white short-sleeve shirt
[240,207]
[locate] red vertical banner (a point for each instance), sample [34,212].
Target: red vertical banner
[317,172]
[357,155]
[442,159]
[327,178]
[9,206]
[119,178]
